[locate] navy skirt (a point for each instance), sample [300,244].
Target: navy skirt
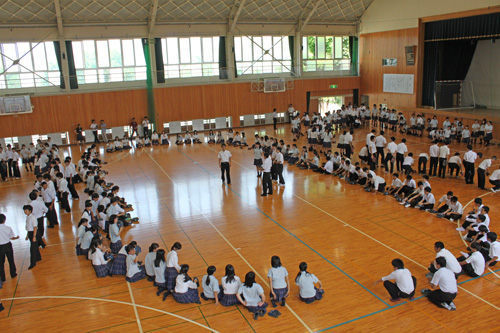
[170,277]
[116,247]
[280,294]
[257,161]
[257,308]
[103,270]
[161,285]
[119,266]
[317,297]
[137,276]
[78,250]
[327,144]
[190,296]
[202,295]
[229,299]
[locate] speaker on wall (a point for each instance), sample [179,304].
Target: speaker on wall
[410,55]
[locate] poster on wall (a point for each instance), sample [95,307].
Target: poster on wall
[398,83]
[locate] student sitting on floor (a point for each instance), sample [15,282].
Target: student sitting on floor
[211,288]
[472,230]
[149,261]
[414,196]
[230,285]
[251,295]
[494,252]
[196,137]
[444,202]
[327,168]
[118,144]
[445,280]
[110,147]
[451,262]
[155,139]
[179,140]
[126,142]
[472,264]
[408,187]
[102,259]
[278,282]
[159,267]
[237,139]
[395,185]
[147,142]
[164,138]
[363,175]
[306,283]
[404,284]
[455,212]
[186,289]
[134,271]
[83,225]
[428,200]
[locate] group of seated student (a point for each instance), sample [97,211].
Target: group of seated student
[187,138]
[154,140]
[235,139]
[456,132]
[119,145]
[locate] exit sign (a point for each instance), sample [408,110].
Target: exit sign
[333,86]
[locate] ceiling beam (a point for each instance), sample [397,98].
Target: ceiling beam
[307,13]
[235,14]
[152,16]
[60,26]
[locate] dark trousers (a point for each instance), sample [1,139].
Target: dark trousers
[496,183]
[469,172]
[275,121]
[34,251]
[7,251]
[453,167]
[40,231]
[267,183]
[71,188]
[399,161]
[96,138]
[443,209]
[433,166]
[394,291]
[371,161]
[3,170]
[438,296]
[224,167]
[422,165]
[348,151]
[481,177]
[9,165]
[442,167]
[279,171]
[15,169]
[388,159]
[380,153]
[51,215]
[145,131]
[64,201]
[274,172]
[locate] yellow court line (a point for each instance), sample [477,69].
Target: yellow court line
[235,250]
[135,308]
[113,301]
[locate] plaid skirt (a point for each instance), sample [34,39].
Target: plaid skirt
[327,144]
[162,285]
[137,276]
[115,247]
[119,266]
[257,308]
[170,277]
[309,300]
[190,296]
[280,294]
[229,299]
[103,270]
[78,250]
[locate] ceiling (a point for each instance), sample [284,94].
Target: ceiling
[120,12]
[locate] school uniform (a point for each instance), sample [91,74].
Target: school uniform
[280,288]
[267,184]
[469,160]
[279,167]
[446,206]
[481,172]
[408,187]
[380,143]
[80,232]
[475,264]
[493,252]
[93,128]
[434,154]
[407,163]
[224,157]
[119,266]
[495,179]
[134,271]
[101,265]
[444,151]
[454,164]
[31,224]
[6,250]
[116,241]
[252,297]
[445,279]
[159,274]
[422,163]
[39,209]
[457,211]
[145,128]
[186,291]
[451,262]
[172,268]
[429,201]
[389,157]
[404,285]
[400,155]
[15,165]
[149,264]
[229,290]
[49,197]
[210,288]
[64,193]
[308,292]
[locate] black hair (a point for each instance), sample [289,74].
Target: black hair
[492,236]
[249,279]
[2,218]
[449,193]
[454,199]
[82,221]
[398,263]
[302,268]
[112,219]
[478,201]
[95,244]
[210,271]
[275,261]
[160,256]
[28,207]
[486,209]
[184,270]
[176,246]
[428,189]
[441,261]
[395,174]
[153,247]
[32,196]
[230,273]
[476,246]
[481,217]
[439,245]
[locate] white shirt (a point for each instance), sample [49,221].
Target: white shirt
[159,272]
[408,160]
[39,208]
[470,156]
[429,198]
[98,258]
[149,263]
[31,222]
[403,280]
[368,137]
[457,208]
[306,285]
[495,175]
[251,294]
[132,267]
[48,194]
[455,159]
[392,147]
[444,151]
[329,166]
[402,148]
[434,150]
[445,279]
[445,198]
[495,250]
[63,185]
[6,234]
[476,259]
[485,164]
[451,262]
[278,276]
[173,260]
[213,286]
[182,287]
[224,156]
[377,180]
[231,288]
[380,141]
[267,164]
[113,233]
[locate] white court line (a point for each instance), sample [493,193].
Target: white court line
[135,308]
[235,250]
[113,301]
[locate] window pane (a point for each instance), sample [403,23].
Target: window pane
[10,55]
[27,80]
[13,80]
[257,48]
[246,49]
[329,47]
[51,56]
[311,47]
[104,75]
[321,47]
[54,78]
[267,45]
[89,53]
[207,50]
[164,50]
[237,49]
[78,54]
[196,50]
[115,53]
[173,51]
[139,53]
[286,48]
[185,52]
[304,48]
[116,74]
[338,47]
[140,73]
[215,43]
[102,54]
[23,50]
[128,52]
[41,79]
[277,47]
[345,47]
[90,76]
[172,71]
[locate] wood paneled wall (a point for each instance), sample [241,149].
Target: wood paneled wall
[62,113]
[389,44]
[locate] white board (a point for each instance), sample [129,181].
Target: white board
[399,83]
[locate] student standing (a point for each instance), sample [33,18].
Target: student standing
[391,153]
[267,183]
[225,164]
[103,131]
[275,118]
[39,209]
[400,155]
[6,250]
[145,127]
[470,158]
[380,143]
[445,280]
[444,151]
[133,128]
[173,266]
[405,283]
[482,169]
[31,228]
[93,128]
[49,198]
[434,154]
[279,166]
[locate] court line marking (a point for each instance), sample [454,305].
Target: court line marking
[135,308]
[114,301]
[230,244]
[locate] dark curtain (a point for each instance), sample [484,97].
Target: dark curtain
[308,101]
[292,53]
[234,61]
[353,52]
[222,59]
[73,82]
[466,27]
[445,60]
[160,66]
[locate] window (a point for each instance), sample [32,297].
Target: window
[325,53]
[262,54]
[113,60]
[242,121]
[186,126]
[259,119]
[190,56]
[65,138]
[37,65]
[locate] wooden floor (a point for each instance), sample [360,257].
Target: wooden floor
[347,236]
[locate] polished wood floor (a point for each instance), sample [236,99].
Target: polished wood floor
[347,236]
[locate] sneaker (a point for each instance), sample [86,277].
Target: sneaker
[452,220]
[493,190]
[407,205]
[262,313]
[453,306]
[402,203]
[256,315]
[417,207]
[460,229]
[273,302]
[428,210]
[467,239]
[446,306]
[425,292]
